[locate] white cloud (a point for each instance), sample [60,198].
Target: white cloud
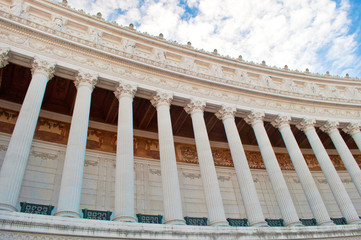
[300,33]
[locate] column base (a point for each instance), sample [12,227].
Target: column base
[70,214]
[295,224]
[7,207]
[124,219]
[355,222]
[328,223]
[219,223]
[175,222]
[259,224]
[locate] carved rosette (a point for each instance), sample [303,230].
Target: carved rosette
[226,112]
[282,120]
[125,89]
[195,105]
[4,57]
[306,124]
[162,98]
[352,128]
[86,79]
[43,67]
[254,117]
[330,126]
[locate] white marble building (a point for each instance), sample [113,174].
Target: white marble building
[74,160]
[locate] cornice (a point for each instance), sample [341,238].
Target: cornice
[245,92]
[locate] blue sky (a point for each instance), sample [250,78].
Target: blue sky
[322,35]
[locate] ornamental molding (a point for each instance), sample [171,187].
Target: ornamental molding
[104,60]
[330,126]
[281,120]
[161,98]
[44,156]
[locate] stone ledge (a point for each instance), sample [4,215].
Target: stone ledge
[19,225]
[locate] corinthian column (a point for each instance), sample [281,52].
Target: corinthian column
[124,171]
[212,192]
[334,181]
[353,129]
[279,186]
[245,181]
[4,57]
[313,196]
[348,160]
[173,213]
[72,178]
[16,158]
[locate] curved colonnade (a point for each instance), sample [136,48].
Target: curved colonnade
[99,54]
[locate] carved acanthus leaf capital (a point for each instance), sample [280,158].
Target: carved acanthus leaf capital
[254,117]
[86,79]
[195,105]
[352,128]
[330,126]
[226,112]
[125,89]
[162,97]
[4,57]
[281,121]
[44,67]
[306,124]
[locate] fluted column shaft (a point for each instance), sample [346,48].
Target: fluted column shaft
[279,186]
[212,192]
[347,158]
[72,178]
[334,181]
[16,158]
[245,181]
[172,201]
[309,187]
[124,171]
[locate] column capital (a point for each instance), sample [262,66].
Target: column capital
[254,117]
[195,105]
[281,121]
[306,124]
[4,57]
[162,98]
[125,89]
[226,112]
[330,126]
[352,128]
[86,79]
[42,66]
